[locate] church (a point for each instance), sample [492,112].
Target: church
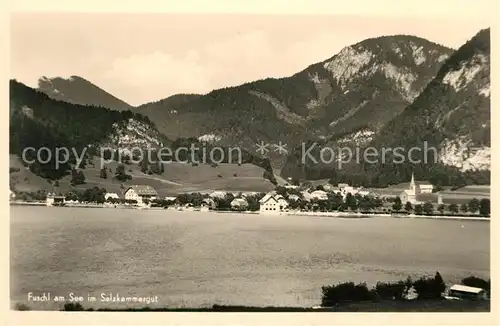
[415,191]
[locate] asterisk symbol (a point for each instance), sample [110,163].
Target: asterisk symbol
[262,148]
[280,148]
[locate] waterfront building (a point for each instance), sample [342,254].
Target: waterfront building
[54,200]
[112,195]
[417,192]
[273,203]
[239,204]
[140,193]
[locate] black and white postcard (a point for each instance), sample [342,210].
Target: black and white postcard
[315,162]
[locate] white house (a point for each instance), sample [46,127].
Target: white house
[239,204]
[467,292]
[140,193]
[272,203]
[364,192]
[218,194]
[425,188]
[12,195]
[319,195]
[111,195]
[344,189]
[209,203]
[54,200]
[306,195]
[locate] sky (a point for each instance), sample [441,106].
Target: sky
[142,57]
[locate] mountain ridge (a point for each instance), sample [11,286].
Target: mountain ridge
[78,90]
[451,114]
[323,99]
[354,97]
[38,121]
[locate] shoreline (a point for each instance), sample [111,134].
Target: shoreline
[364,306]
[289,213]
[362,215]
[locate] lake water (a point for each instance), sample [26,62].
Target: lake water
[193,259]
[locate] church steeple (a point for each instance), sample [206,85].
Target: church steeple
[412,182]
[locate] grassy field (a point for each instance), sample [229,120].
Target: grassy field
[24,179]
[177,178]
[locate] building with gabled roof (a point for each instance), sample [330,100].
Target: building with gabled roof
[319,195]
[55,200]
[418,192]
[140,193]
[273,203]
[239,204]
[218,194]
[208,203]
[467,292]
[112,195]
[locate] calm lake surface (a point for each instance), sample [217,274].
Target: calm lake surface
[193,259]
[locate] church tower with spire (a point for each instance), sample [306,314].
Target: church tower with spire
[414,188]
[410,195]
[412,184]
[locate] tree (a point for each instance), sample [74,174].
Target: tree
[280,190]
[345,292]
[104,173]
[430,288]
[121,175]
[334,201]
[351,202]
[253,203]
[391,291]
[484,207]
[144,164]
[473,205]
[477,283]
[441,209]
[81,177]
[439,283]
[397,204]
[77,177]
[365,203]
[453,208]
[464,208]
[120,169]
[428,208]
[93,195]
[418,209]
[269,175]
[408,206]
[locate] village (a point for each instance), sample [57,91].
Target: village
[324,199]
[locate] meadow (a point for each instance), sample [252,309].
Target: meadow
[177,178]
